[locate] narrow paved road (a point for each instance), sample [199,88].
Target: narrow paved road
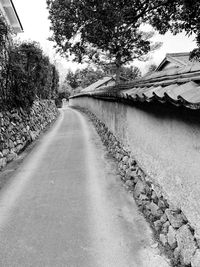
[65,206]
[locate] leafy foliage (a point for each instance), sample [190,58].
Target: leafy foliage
[5,43]
[190,22]
[87,76]
[106,30]
[83,78]
[101,22]
[130,73]
[30,74]
[183,15]
[72,79]
[64,90]
[25,72]
[152,67]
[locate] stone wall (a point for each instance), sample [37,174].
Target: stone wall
[20,127]
[177,232]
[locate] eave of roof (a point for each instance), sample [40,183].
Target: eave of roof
[17,16]
[173,58]
[9,12]
[179,87]
[97,84]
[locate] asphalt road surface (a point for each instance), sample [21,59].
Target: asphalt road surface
[65,206]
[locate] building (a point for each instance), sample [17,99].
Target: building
[175,60]
[9,12]
[105,82]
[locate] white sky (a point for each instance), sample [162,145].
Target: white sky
[34,18]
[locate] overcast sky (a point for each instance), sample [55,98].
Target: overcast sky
[34,18]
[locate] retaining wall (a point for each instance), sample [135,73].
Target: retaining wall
[20,127]
[165,142]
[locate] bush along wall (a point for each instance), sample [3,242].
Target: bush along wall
[19,127]
[171,227]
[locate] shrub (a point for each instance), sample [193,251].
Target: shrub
[25,72]
[30,75]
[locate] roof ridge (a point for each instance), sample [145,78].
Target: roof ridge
[176,60]
[178,54]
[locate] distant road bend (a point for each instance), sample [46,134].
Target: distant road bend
[65,206]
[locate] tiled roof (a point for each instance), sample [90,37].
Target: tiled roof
[97,84]
[180,87]
[178,59]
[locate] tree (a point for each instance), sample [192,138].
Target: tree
[176,16]
[5,44]
[25,72]
[106,30]
[151,68]
[28,75]
[184,16]
[54,81]
[89,75]
[131,73]
[72,79]
[65,90]
[83,78]
[190,22]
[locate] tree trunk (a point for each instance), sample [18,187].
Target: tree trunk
[118,69]
[118,72]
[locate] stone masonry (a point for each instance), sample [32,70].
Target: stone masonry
[19,127]
[170,225]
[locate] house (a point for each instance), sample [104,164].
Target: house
[174,60]
[9,12]
[105,82]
